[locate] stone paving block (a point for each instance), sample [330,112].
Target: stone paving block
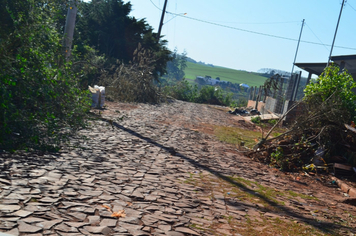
[186,231]
[27,228]
[108,222]
[94,220]
[14,231]
[6,225]
[98,229]
[48,224]
[22,213]
[65,228]
[9,208]
[76,224]
[32,219]
[174,233]
[78,215]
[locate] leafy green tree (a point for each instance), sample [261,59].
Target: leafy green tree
[106,26]
[177,65]
[40,101]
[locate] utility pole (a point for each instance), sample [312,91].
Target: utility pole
[296,52]
[161,23]
[337,26]
[69,29]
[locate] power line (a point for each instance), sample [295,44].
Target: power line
[254,32]
[261,23]
[317,37]
[351,6]
[155,5]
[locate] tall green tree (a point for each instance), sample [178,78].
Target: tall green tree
[40,100]
[177,65]
[106,26]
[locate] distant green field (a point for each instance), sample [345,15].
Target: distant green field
[234,76]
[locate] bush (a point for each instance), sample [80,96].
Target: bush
[256,120]
[41,104]
[182,90]
[214,95]
[135,81]
[333,83]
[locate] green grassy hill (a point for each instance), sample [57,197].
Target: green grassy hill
[234,76]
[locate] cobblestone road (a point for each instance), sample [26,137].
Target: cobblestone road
[152,166]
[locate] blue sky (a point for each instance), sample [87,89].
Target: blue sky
[224,40]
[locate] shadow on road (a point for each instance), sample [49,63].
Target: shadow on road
[321,225]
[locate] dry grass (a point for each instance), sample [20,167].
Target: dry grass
[242,191]
[234,135]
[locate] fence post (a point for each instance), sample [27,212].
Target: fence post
[297,85]
[254,93]
[279,98]
[258,96]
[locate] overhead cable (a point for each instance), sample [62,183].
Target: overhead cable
[254,32]
[156,6]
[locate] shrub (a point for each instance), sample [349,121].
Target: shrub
[182,90]
[256,120]
[40,104]
[333,83]
[214,95]
[272,122]
[134,82]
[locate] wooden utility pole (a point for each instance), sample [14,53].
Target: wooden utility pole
[69,29]
[161,22]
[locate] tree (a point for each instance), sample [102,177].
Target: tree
[106,26]
[40,101]
[177,65]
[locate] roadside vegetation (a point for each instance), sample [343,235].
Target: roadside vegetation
[44,98]
[41,102]
[268,202]
[318,134]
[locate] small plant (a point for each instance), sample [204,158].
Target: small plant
[256,120]
[277,158]
[272,122]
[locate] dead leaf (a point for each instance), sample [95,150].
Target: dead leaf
[107,207]
[119,214]
[129,203]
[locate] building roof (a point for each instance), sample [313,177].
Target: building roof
[349,61]
[345,61]
[314,68]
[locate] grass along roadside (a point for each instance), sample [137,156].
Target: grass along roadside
[235,135]
[264,220]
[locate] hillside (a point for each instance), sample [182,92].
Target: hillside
[234,76]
